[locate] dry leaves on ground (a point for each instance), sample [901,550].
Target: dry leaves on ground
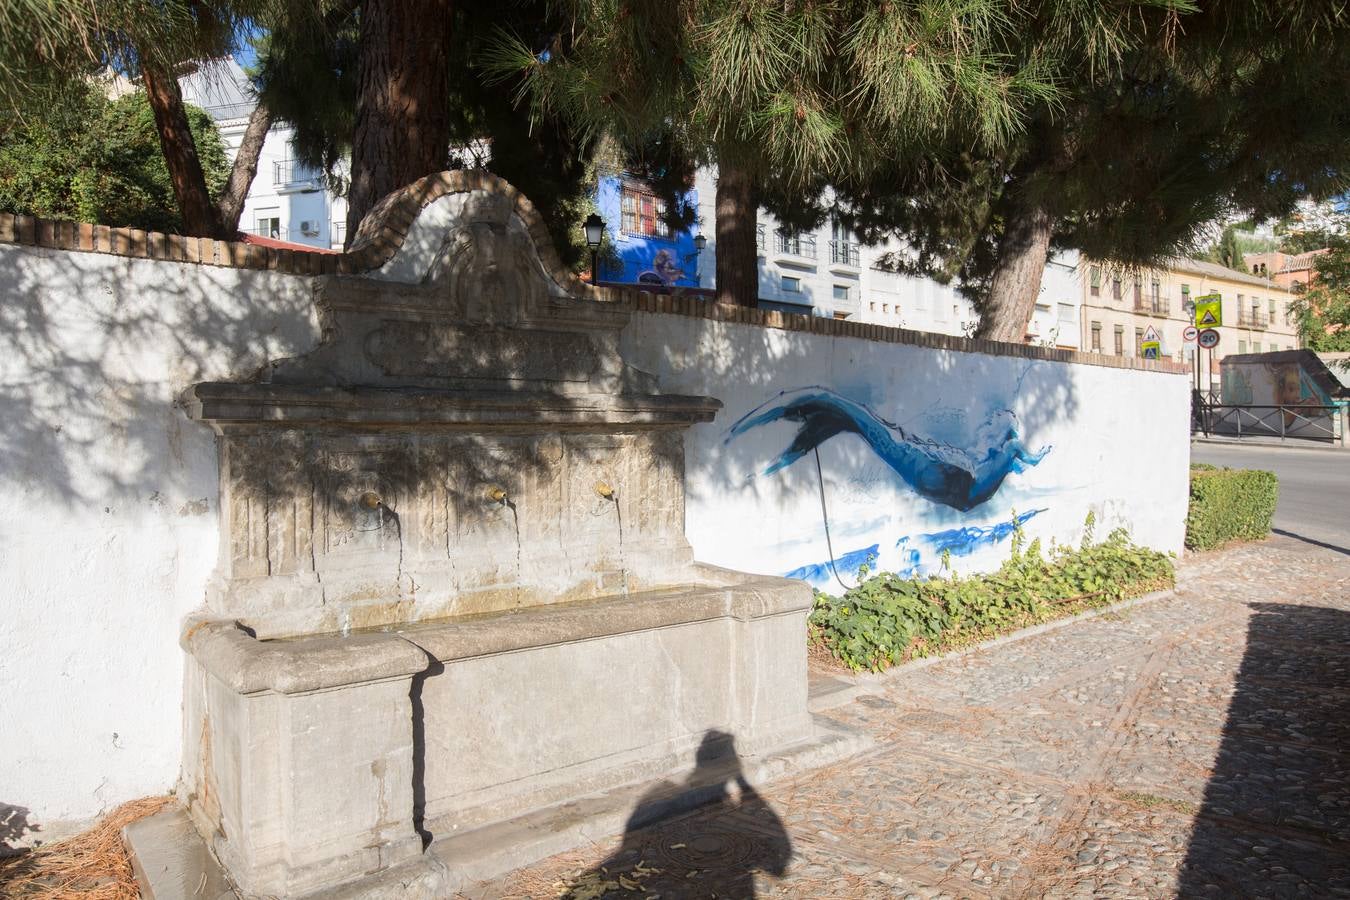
[92,865]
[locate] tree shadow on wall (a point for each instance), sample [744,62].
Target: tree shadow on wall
[715,851]
[15,830]
[1275,820]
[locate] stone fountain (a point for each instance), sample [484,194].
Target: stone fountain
[454,586]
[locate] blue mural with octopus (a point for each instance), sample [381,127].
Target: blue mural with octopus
[957,477]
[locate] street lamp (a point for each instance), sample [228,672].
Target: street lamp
[700,243]
[595,233]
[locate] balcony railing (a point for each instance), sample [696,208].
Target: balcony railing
[844,253]
[291,172]
[760,243]
[803,245]
[338,233]
[1153,306]
[1251,318]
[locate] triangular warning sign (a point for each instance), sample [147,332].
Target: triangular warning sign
[1208,318]
[1151,334]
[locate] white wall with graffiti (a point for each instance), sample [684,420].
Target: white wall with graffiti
[919,453]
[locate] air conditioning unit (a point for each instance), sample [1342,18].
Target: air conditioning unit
[309,228]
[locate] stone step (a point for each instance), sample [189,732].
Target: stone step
[170,859]
[494,850]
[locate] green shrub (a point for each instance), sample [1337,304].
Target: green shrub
[1229,505]
[888,619]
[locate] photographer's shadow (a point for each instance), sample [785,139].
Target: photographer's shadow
[715,851]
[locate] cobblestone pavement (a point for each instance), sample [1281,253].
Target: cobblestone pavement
[1193,746]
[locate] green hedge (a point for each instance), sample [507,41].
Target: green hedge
[889,619]
[1229,505]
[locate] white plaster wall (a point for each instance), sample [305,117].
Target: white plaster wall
[111,495]
[110,530]
[1118,444]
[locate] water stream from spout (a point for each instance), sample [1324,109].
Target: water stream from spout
[515,519]
[623,562]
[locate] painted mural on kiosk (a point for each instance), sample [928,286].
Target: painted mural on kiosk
[641,248]
[954,471]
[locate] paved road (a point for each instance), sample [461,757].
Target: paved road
[1314,487]
[1192,746]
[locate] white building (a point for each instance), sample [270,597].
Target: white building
[1055,322]
[827,272]
[287,201]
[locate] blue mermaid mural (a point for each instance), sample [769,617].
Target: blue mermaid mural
[959,478]
[956,477]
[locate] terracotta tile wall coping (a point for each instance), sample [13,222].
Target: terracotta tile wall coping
[382,232]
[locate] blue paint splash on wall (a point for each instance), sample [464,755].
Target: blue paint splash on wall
[846,565]
[943,473]
[965,541]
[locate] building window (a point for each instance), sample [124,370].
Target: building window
[1138,290]
[1156,295]
[872,306]
[1120,339]
[841,293]
[1115,288]
[792,285]
[1242,346]
[1095,281]
[643,212]
[1139,342]
[885,307]
[1256,346]
[1097,336]
[268,226]
[1185,292]
[1066,312]
[1272,310]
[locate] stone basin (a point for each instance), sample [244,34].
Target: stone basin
[318,760]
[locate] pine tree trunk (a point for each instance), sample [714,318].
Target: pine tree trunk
[200,216]
[1016,282]
[231,203]
[737,259]
[403,102]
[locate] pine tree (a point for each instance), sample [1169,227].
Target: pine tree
[309,76]
[47,45]
[1237,111]
[785,97]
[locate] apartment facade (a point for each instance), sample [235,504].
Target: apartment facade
[288,201]
[1119,307]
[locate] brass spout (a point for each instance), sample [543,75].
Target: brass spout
[496,493]
[604,490]
[370,500]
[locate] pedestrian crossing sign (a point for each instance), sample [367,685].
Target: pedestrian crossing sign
[1209,311]
[1152,349]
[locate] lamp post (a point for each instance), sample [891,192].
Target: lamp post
[700,242]
[595,233]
